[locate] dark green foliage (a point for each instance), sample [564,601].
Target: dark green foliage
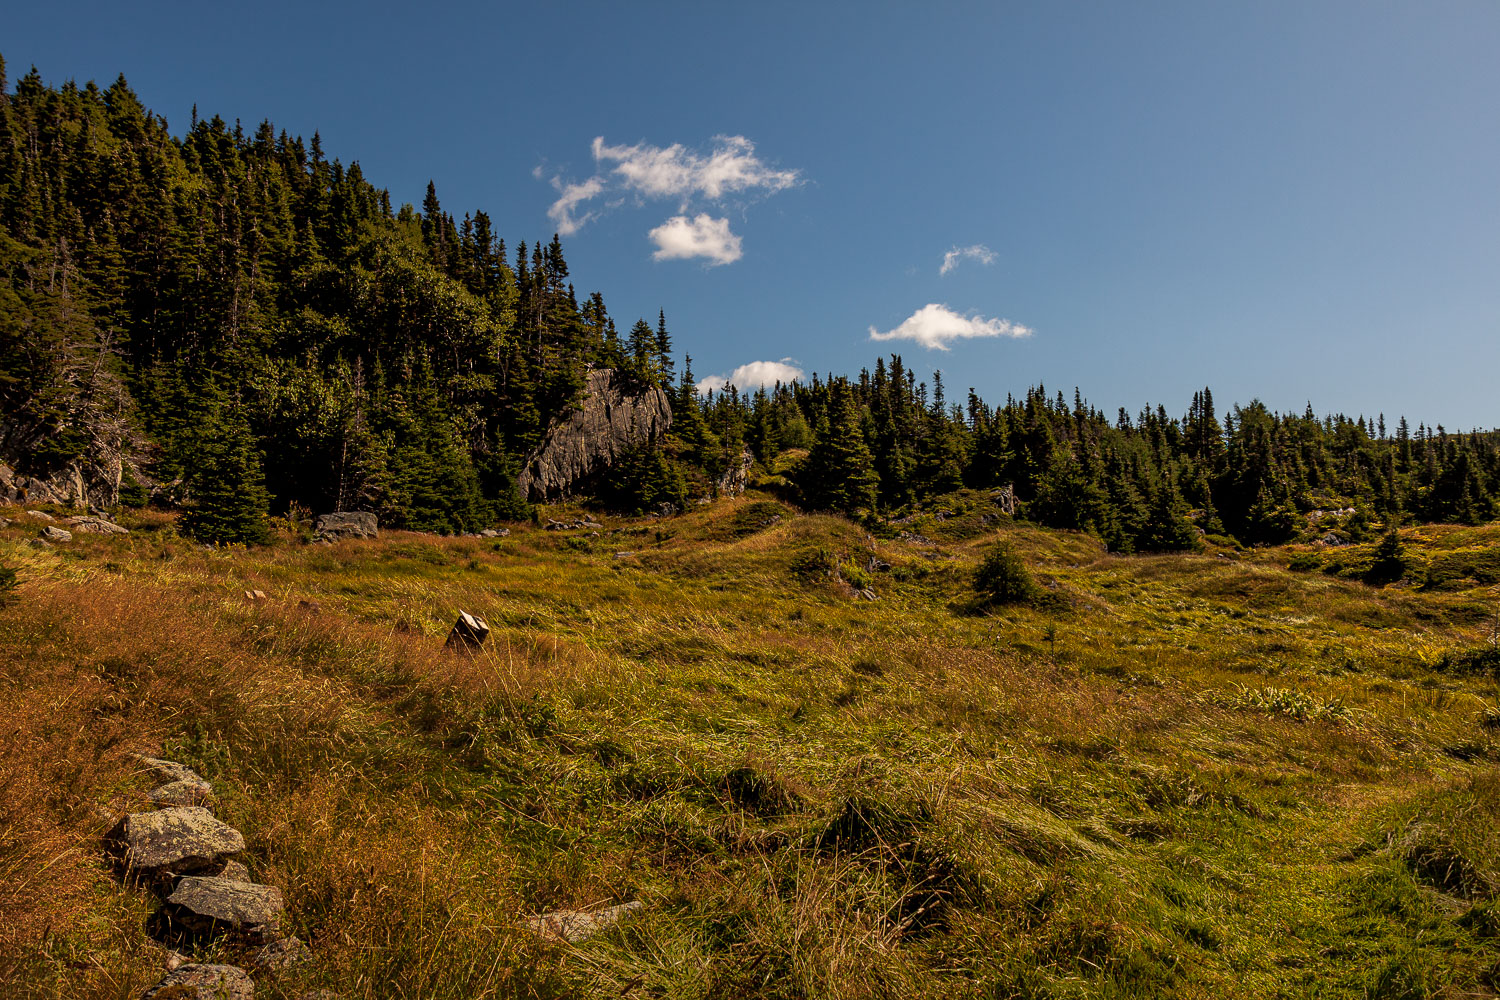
[405,362]
[229,492]
[132,493]
[840,471]
[642,480]
[1003,578]
[1389,562]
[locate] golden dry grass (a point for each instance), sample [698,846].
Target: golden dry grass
[1119,792]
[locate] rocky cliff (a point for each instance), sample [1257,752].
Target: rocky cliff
[611,419]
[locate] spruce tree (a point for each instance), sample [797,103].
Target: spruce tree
[840,471]
[229,492]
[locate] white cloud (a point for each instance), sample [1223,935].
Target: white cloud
[978,252]
[677,172]
[754,375]
[681,238]
[729,171]
[573,195]
[936,326]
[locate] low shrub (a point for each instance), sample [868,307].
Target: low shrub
[1002,578]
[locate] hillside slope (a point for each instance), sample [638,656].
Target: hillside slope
[1176,776]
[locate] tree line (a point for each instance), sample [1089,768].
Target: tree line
[268,328]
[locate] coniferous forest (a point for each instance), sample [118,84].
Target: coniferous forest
[267,331]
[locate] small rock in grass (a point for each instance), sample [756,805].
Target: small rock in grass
[209,907]
[182,793]
[469,632]
[53,533]
[96,526]
[40,515]
[203,982]
[574,926]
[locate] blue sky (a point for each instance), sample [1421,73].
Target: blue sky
[1286,200]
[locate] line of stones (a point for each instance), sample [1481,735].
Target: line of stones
[190,860]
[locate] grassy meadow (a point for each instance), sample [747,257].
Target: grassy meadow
[1203,775]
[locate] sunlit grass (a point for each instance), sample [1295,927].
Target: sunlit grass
[1169,775]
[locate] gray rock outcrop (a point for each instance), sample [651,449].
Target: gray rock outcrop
[91,524]
[346,524]
[173,841]
[610,420]
[736,478]
[573,926]
[212,906]
[55,534]
[203,982]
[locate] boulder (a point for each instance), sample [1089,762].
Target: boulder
[612,418]
[346,524]
[495,533]
[40,515]
[573,926]
[211,906]
[53,533]
[96,526]
[203,982]
[173,841]
[469,632]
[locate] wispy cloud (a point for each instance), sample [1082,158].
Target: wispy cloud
[936,326]
[978,252]
[573,195]
[754,375]
[681,238]
[677,172]
[730,171]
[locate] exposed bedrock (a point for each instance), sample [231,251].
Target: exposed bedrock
[612,418]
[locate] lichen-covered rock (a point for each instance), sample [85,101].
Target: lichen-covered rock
[203,982]
[211,906]
[184,786]
[346,524]
[235,871]
[89,524]
[174,841]
[53,533]
[573,926]
[612,419]
[182,793]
